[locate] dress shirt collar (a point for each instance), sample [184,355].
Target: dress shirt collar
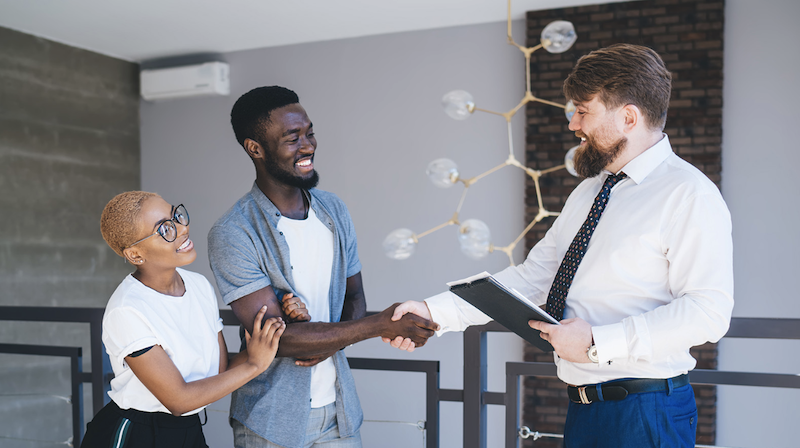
[644,164]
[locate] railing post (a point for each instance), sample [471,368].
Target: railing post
[432,406]
[76,367]
[99,397]
[512,406]
[474,386]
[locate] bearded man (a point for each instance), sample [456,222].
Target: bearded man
[638,264]
[285,240]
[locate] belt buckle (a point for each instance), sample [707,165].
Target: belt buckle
[582,395]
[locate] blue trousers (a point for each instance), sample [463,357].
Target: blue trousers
[653,419]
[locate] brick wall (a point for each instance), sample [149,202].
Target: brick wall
[688,36]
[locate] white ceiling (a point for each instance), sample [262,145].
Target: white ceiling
[138,30]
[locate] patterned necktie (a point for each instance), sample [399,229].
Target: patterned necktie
[566,272]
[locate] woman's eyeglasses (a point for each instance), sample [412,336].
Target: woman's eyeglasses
[167,228]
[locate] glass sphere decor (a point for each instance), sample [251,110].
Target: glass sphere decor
[569,110]
[442,172]
[569,161]
[458,104]
[400,244]
[475,238]
[558,36]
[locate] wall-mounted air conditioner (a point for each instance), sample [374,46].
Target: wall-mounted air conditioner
[210,78]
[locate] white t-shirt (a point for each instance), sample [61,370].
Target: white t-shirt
[185,327]
[311,254]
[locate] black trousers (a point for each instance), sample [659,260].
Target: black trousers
[113,427]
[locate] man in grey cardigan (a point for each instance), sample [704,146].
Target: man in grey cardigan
[286,237]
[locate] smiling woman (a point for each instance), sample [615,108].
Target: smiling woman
[162,332]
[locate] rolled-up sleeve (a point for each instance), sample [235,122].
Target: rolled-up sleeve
[235,264]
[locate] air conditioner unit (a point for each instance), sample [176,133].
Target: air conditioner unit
[210,78]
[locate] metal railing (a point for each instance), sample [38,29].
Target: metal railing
[75,355]
[99,376]
[474,396]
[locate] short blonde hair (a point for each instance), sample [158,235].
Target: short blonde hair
[120,219]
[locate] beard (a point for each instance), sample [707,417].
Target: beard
[594,157]
[287,177]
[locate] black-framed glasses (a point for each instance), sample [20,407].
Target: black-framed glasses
[167,228]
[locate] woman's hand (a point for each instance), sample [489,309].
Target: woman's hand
[262,345]
[294,308]
[162,378]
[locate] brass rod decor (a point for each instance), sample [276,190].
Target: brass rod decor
[474,234]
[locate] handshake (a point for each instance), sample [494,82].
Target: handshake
[403,325]
[412,313]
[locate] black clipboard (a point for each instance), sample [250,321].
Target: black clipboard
[505,305]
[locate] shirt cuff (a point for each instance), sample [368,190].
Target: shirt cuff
[611,342]
[443,312]
[452,313]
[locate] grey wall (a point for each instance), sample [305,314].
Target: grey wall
[69,141]
[760,184]
[375,104]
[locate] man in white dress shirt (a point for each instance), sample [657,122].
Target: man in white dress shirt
[655,280]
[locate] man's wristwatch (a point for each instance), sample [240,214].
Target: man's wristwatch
[592,354]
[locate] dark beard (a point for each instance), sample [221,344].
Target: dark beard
[286,177]
[592,159]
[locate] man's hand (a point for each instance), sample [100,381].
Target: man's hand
[418,308]
[570,340]
[294,308]
[312,361]
[406,326]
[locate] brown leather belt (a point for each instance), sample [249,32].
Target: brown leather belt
[618,390]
